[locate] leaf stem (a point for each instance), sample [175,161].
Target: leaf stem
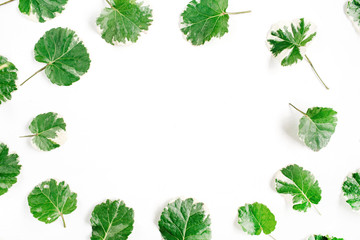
[297,109]
[63,220]
[27,136]
[317,210]
[108,2]
[40,70]
[236,13]
[272,237]
[6,2]
[312,66]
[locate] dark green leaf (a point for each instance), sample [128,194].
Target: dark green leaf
[112,220]
[185,220]
[8,76]
[42,9]
[124,21]
[256,218]
[351,189]
[290,41]
[320,237]
[47,131]
[302,186]
[50,200]
[9,169]
[353,11]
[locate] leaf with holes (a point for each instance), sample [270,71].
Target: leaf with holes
[9,169]
[8,76]
[205,19]
[290,45]
[112,220]
[353,11]
[256,218]
[42,9]
[317,126]
[351,190]
[320,237]
[185,219]
[302,185]
[48,131]
[124,21]
[50,200]
[65,56]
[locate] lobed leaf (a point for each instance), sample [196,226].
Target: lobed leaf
[351,190]
[9,169]
[8,76]
[42,9]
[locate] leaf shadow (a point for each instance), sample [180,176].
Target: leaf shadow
[159,211]
[290,128]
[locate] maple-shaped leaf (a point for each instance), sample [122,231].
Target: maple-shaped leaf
[50,200]
[353,11]
[48,131]
[321,237]
[205,19]
[65,56]
[289,42]
[124,21]
[351,190]
[8,76]
[302,185]
[256,218]
[112,220]
[9,169]
[42,9]
[317,126]
[185,220]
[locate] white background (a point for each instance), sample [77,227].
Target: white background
[161,119]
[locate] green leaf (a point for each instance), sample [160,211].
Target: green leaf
[112,220]
[302,186]
[48,131]
[204,20]
[124,21]
[256,218]
[351,189]
[317,126]
[353,11]
[65,56]
[42,9]
[320,237]
[50,200]
[185,220]
[9,169]
[8,76]
[291,43]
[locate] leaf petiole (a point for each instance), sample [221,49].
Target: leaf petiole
[63,219]
[317,210]
[297,109]
[236,13]
[312,66]
[28,136]
[6,2]
[272,237]
[40,70]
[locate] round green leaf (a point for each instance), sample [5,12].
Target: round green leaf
[351,190]
[9,169]
[50,200]
[48,131]
[42,9]
[185,220]
[112,220]
[124,21]
[8,76]
[65,55]
[256,218]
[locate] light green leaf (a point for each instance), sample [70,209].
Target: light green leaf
[320,237]
[8,76]
[185,220]
[9,169]
[124,21]
[204,20]
[302,186]
[317,126]
[256,218]
[50,200]
[112,220]
[42,9]
[65,56]
[353,11]
[48,131]
[351,190]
